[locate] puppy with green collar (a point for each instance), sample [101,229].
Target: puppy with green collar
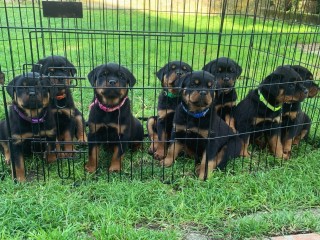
[259,114]
[159,127]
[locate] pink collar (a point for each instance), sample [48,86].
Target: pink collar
[107,109]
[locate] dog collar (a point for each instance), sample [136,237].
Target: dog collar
[170,94]
[29,119]
[272,108]
[193,114]
[107,109]
[60,97]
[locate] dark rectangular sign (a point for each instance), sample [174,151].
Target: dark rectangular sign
[62,9]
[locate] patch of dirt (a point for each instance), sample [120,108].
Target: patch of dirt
[310,48]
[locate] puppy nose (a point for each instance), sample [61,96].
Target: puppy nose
[112,82]
[32,92]
[306,91]
[203,93]
[179,73]
[226,79]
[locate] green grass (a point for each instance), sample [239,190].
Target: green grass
[256,197]
[227,206]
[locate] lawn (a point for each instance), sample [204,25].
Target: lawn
[256,197]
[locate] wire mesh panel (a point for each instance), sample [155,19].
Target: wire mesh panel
[143,36]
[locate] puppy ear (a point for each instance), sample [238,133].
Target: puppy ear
[160,73]
[11,86]
[180,83]
[238,69]
[210,67]
[92,76]
[129,76]
[271,84]
[72,68]
[37,67]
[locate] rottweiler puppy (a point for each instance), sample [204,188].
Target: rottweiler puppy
[160,127]
[295,123]
[226,71]
[110,119]
[31,120]
[259,113]
[69,120]
[196,127]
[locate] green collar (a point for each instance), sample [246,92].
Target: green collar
[171,95]
[272,108]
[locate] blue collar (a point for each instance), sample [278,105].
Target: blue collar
[193,114]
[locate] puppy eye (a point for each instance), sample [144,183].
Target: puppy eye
[184,68]
[121,75]
[311,77]
[219,69]
[173,66]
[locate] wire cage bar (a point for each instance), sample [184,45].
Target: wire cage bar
[144,35]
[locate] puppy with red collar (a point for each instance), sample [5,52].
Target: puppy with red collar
[69,120]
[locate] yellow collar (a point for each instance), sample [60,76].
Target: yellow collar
[272,108]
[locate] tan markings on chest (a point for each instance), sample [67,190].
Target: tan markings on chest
[66,111]
[227,104]
[163,113]
[291,115]
[19,138]
[182,128]
[94,127]
[258,120]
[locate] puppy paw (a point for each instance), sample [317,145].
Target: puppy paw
[66,155]
[167,162]
[52,157]
[245,154]
[115,168]
[82,139]
[296,141]
[287,151]
[89,168]
[159,154]
[152,149]
[285,156]
[7,161]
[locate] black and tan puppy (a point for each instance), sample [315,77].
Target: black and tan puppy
[69,120]
[197,129]
[226,72]
[31,121]
[295,123]
[110,119]
[160,127]
[259,113]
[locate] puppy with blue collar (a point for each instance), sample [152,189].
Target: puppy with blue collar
[198,130]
